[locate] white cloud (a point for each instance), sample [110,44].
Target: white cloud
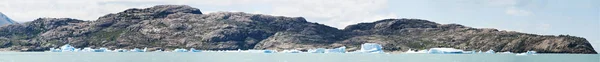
[337,13]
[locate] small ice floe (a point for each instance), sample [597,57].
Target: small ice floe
[527,53]
[180,50]
[445,51]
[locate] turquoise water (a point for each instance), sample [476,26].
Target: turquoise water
[284,57]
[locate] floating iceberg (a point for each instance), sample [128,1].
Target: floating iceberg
[262,51]
[336,50]
[67,48]
[490,51]
[291,51]
[318,50]
[194,50]
[527,53]
[180,50]
[445,51]
[136,50]
[101,50]
[120,50]
[369,48]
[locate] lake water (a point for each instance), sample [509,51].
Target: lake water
[283,57]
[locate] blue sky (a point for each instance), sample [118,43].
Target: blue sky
[547,17]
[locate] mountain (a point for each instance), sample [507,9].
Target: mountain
[4,20]
[179,26]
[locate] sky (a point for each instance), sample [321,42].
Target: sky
[546,17]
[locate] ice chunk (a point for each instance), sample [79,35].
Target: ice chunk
[490,51]
[194,50]
[527,53]
[158,50]
[101,50]
[180,50]
[136,50]
[87,49]
[120,50]
[67,48]
[291,51]
[508,52]
[262,51]
[55,50]
[371,48]
[336,50]
[445,51]
[318,50]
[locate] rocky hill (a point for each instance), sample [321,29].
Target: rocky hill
[180,26]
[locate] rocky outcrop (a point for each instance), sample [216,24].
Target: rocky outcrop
[180,26]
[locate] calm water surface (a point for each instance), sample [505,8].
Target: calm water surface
[284,57]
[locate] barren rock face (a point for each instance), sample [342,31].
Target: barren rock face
[179,26]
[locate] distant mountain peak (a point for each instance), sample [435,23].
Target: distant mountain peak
[4,20]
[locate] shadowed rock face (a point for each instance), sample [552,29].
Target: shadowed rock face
[180,26]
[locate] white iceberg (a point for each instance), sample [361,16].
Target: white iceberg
[291,51]
[369,48]
[101,50]
[194,50]
[158,50]
[527,53]
[445,51]
[490,51]
[336,50]
[262,51]
[318,50]
[180,50]
[67,48]
[120,50]
[136,50]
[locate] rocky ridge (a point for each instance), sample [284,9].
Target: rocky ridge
[180,26]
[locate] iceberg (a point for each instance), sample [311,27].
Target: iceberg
[194,50]
[318,50]
[87,49]
[291,51]
[369,48]
[120,50]
[136,50]
[445,51]
[101,50]
[180,50]
[67,48]
[262,51]
[527,53]
[54,50]
[490,51]
[336,50]
[158,50]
